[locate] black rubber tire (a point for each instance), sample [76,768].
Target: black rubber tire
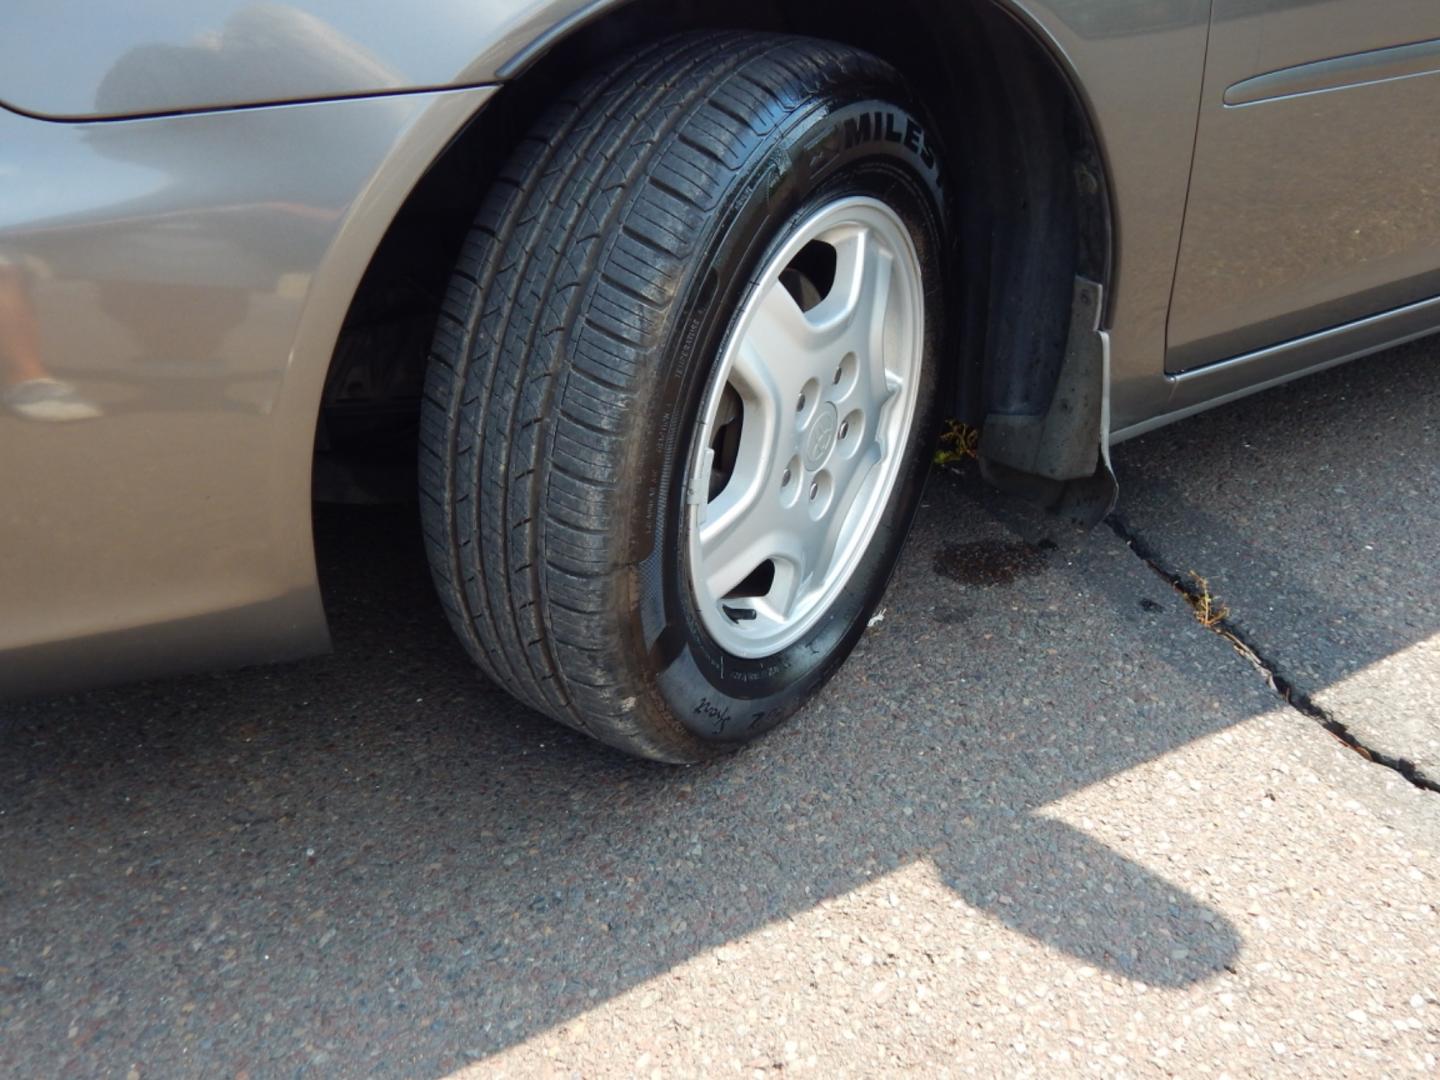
[575,344]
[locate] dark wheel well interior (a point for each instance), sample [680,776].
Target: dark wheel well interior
[1032,206]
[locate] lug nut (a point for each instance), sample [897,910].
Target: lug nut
[814,491]
[845,429]
[800,405]
[786,478]
[839,374]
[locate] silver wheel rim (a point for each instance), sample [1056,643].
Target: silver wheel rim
[782,507]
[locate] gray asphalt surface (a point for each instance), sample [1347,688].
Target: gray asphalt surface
[1315,514]
[1044,822]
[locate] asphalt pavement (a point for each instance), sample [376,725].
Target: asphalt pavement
[1045,822]
[1317,512]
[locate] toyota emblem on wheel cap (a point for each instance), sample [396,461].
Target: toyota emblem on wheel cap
[821,439]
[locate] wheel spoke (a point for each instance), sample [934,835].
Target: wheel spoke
[779,604]
[779,330]
[874,303]
[759,385]
[874,391]
[853,313]
[734,543]
[850,484]
[782,350]
[881,384]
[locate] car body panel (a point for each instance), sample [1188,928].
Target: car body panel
[1313,203]
[192,289]
[153,58]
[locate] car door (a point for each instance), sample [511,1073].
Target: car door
[1315,198]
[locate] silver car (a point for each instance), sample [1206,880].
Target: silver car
[668,300]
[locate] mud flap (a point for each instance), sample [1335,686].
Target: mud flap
[1059,459]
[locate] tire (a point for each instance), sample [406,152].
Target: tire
[577,353]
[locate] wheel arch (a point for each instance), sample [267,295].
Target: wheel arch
[1026,158]
[1050,177]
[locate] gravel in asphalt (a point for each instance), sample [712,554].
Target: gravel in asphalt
[1044,822]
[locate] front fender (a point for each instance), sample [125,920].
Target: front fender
[188,276]
[78,59]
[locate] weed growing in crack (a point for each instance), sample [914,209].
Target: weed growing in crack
[1215,617]
[959,442]
[1206,606]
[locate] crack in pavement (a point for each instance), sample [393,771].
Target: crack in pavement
[1293,696]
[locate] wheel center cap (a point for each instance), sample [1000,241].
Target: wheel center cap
[820,439]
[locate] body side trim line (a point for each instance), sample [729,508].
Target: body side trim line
[249,106]
[1353,340]
[1334,333]
[1339,73]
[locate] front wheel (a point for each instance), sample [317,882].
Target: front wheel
[683,389]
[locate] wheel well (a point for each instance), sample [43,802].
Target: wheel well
[1032,209]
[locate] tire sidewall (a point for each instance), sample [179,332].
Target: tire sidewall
[873,144]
